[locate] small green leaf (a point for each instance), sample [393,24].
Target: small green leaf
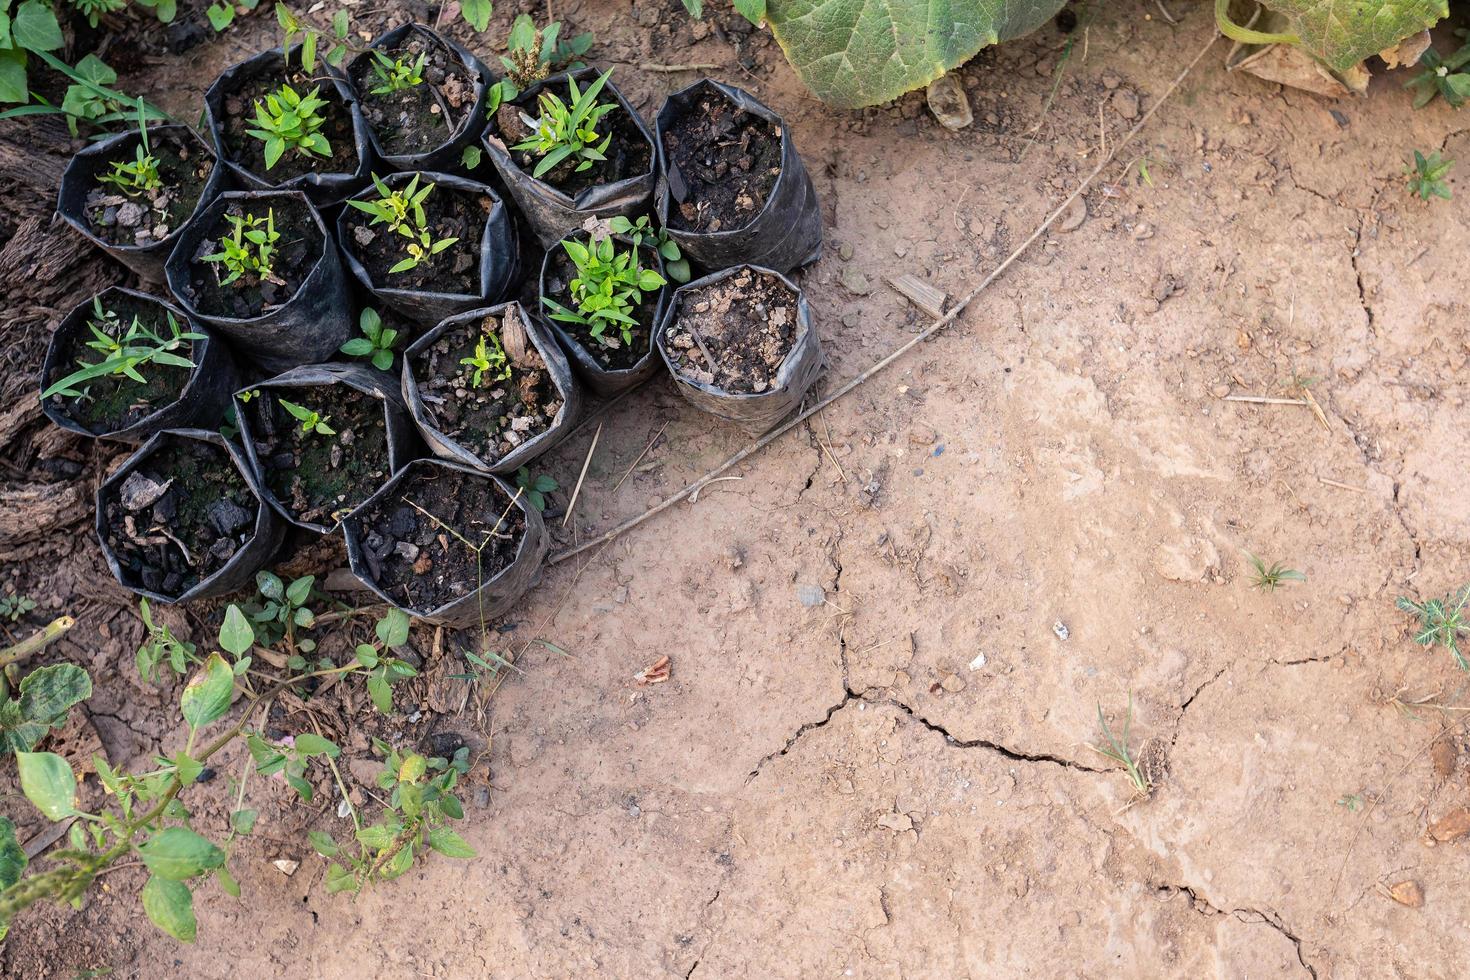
[375,837]
[323,843]
[170,906]
[358,347]
[380,692]
[477,13]
[188,768]
[471,157]
[300,590]
[48,782]
[207,697]
[13,858]
[227,882]
[48,693]
[243,821]
[752,10]
[392,629]
[449,844]
[236,634]
[178,853]
[308,744]
[339,879]
[221,15]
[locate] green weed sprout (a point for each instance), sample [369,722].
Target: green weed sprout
[642,232]
[1441,621]
[1427,176]
[124,350]
[289,120]
[249,248]
[141,176]
[488,361]
[566,131]
[403,213]
[608,287]
[310,421]
[1268,579]
[535,487]
[395,74]
[376,342]
[1117,749]
[1441,76]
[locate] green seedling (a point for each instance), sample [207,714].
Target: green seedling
[161,648]
[291,27]
[311,422]
[642,233]
[289,120]
[279,610]
[1116,748]
[1269,578]
[1426,176]
[568,130]
[488,362]
[608,287]
[249,248]
[535,487]
[13,606]
[1441,76]
[124,351]
[1441,621]
[376,342]
[395,74]
[141,176]
[403,213]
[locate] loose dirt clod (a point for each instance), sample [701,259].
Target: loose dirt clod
[1452,826]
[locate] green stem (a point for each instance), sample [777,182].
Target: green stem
[36,642]
[1244,35]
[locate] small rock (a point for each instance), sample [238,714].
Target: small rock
[855,282]
[953,683]
[845,251]
[1445,754]
[406,550]
[810,595]
[1125,103]
[227,517]
[1060,629]
[1189,560]
[1407,893]
[978,662]
[896,822]
[949,103]
[1074,217]
[131,215]
[139,492]
[286,866]
[1452,826]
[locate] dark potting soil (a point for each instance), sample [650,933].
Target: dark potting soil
[417,556]
[115,401]
[297,252]
[747,323]
[419,118]
[144,219]
[249,152]
[179,516]
[450,213]
[723,163]
[609,349]
[320,478]
[497,416]
[629,154]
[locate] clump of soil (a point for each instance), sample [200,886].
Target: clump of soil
[734,334]
[419,541]
[629,154]
[298,249]
[421,117]
[609,349]
[493,418]
[252,85]
[178,517]
[448,213]
[723,162]
[319,478]
[149,218]
[114,402]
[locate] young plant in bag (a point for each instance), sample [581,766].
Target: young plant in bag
[124,351]
[403,213]
[376,342]
[608,287]
[249,249]
[568,130]
[487,362]
[642,232]
[395,74]
[140,176]
[312,421]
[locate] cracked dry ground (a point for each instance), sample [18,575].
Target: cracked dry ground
[834,790]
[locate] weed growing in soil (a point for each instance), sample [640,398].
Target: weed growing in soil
[488,362]
[290,120]
[569,131]
[311,421]
[45,696]
[1269,578]
[161,648]
[535,487]
[1441,76]
[1441,621]
[141,176]
[146,822]
[124,351]
[395,74]
[643,233]
[279,609]
[249,248]
[609,286]
[310,39]
[13,606]
[376,342]
[1117,749]
[403,213]
[531,55]
[1427,175]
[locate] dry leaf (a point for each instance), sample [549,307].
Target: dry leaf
[1451,826]
[655,673]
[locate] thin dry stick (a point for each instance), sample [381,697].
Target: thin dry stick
[907,346]
[583,475]
[640,457]
[1265,400]
[674,68]
[1341,486]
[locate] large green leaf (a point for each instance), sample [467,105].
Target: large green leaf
[1344,32]
[854,53]
[177,853]
[170,905]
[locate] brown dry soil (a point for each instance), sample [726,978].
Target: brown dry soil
[893,777]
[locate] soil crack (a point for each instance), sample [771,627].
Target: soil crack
[1205,907]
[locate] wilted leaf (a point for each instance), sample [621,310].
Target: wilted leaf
[1343,34]
[207,695]
[854,53]
[48,693]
